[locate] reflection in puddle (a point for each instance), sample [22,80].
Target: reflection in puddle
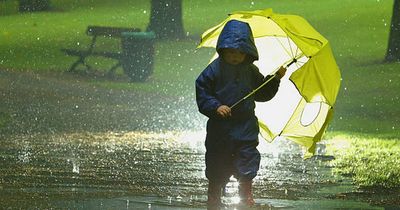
[138,170]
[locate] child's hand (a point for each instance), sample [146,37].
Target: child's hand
[281,72]
[224,111]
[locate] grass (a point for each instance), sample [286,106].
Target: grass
[367,105]
[4,119]
[370,161]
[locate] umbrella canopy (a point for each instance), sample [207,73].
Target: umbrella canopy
[303,106]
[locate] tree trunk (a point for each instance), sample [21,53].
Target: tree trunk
[393,51]
[34,5]
[166,19]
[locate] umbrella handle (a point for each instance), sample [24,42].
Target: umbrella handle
[253,91]
[292,62]
[263,84]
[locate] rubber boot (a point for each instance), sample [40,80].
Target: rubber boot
[214,196]
[245,193]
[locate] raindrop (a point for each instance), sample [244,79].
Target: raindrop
[38,38]
[179,198]
[24,157]
[75,167]
[144,11]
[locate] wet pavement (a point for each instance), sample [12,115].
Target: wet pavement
[138,170]
[68,144]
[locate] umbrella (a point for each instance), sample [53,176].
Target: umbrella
[303,106]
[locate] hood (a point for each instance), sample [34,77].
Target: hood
[237,35]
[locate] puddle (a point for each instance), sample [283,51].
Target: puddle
[138,170]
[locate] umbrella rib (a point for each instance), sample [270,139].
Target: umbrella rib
[283,46]
[290,46]
[301,62]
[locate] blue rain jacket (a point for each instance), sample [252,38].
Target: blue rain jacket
[221,83]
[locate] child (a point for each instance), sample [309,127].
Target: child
[232,134]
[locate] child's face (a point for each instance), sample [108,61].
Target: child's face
[233,56]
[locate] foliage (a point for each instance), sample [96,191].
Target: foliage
[370,161]
[33,5]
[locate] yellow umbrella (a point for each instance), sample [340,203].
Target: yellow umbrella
[303,106]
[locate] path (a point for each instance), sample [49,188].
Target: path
[69,144]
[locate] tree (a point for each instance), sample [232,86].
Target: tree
[393,50]
[166,19]
[34,5]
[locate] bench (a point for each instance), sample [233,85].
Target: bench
[98,31]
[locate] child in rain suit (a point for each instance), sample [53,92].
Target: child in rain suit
[232,134]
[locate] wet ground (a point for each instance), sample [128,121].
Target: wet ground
[158,171]
[69,145]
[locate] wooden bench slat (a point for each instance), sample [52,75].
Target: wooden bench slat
[95,32]
[85,53]
[109,31]
[74,52]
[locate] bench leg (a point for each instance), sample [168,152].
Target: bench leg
[74,65]
[81,60]
[89,68]
[111,72]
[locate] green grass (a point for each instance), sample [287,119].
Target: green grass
[32,41]
[4,119]
[367,105]
[370,161]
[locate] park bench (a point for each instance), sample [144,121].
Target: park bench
[95,32]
